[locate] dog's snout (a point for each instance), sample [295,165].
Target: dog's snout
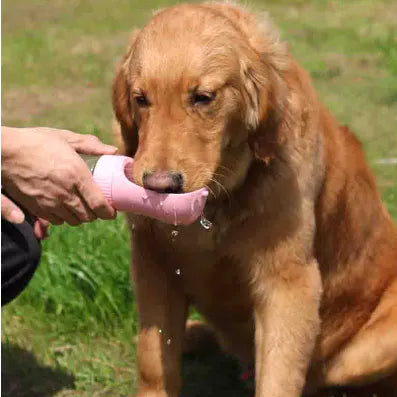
[163,181]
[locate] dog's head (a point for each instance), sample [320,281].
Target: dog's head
[198,85]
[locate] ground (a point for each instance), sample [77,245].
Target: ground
[71,333]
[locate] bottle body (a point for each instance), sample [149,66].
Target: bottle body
[109,173]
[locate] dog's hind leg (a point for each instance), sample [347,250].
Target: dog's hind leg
[372,354]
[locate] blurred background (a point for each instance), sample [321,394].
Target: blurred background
[71,333]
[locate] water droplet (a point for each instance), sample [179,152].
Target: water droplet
[160,331]
[168,341]
[205,223]
[132,226]
[145,197]
[161,204]
[178,272]
[174,234]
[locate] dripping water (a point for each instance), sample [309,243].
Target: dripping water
[174,235]
[205,223]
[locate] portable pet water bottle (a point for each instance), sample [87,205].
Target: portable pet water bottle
[109,174]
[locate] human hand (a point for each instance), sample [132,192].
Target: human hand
[42,171]
[10,211]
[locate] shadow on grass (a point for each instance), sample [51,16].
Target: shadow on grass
[367,391]
[23,376]
[216,375]
[212,375]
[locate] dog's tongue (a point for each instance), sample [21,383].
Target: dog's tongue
[113,174]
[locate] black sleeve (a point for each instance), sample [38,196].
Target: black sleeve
[20,256]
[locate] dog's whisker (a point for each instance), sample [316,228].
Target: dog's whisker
[211,176]
[211,191]
[227,169]
[219,174]
[222,187]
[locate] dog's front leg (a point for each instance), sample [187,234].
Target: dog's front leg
[162,311]
[286,299]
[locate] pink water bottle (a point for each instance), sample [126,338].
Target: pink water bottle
[124,195]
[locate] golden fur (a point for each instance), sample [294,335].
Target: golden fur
[298,274]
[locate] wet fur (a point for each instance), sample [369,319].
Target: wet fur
[299,272]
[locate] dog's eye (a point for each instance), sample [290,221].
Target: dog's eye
[203,98]
[141,100]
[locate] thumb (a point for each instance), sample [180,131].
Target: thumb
[89,144]
[10,211]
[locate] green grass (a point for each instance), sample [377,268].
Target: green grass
[71,333]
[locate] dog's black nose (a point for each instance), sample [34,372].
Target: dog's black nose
[163,181]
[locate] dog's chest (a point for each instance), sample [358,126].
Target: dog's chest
[199,260]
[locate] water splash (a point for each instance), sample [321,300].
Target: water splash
[168,341]
[174,235]
[205,223]
[178,272]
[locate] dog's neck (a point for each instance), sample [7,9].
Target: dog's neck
[244,198]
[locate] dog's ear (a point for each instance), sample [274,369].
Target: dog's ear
[122,102]
[265,93]
[266,106]
[264,88]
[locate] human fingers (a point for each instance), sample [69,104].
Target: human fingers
[82,143]
[40,228]
[76,205]
[52,218]
[67,215]
[88,144]
[10,211]
[94,197]
[41,210]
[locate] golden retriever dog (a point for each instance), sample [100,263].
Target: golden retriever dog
[298,274]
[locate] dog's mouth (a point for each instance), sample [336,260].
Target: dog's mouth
[163,182]
[168,204]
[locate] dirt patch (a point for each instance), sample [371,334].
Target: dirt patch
[21,15]
[386,14]
[22,104]
[354,63]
